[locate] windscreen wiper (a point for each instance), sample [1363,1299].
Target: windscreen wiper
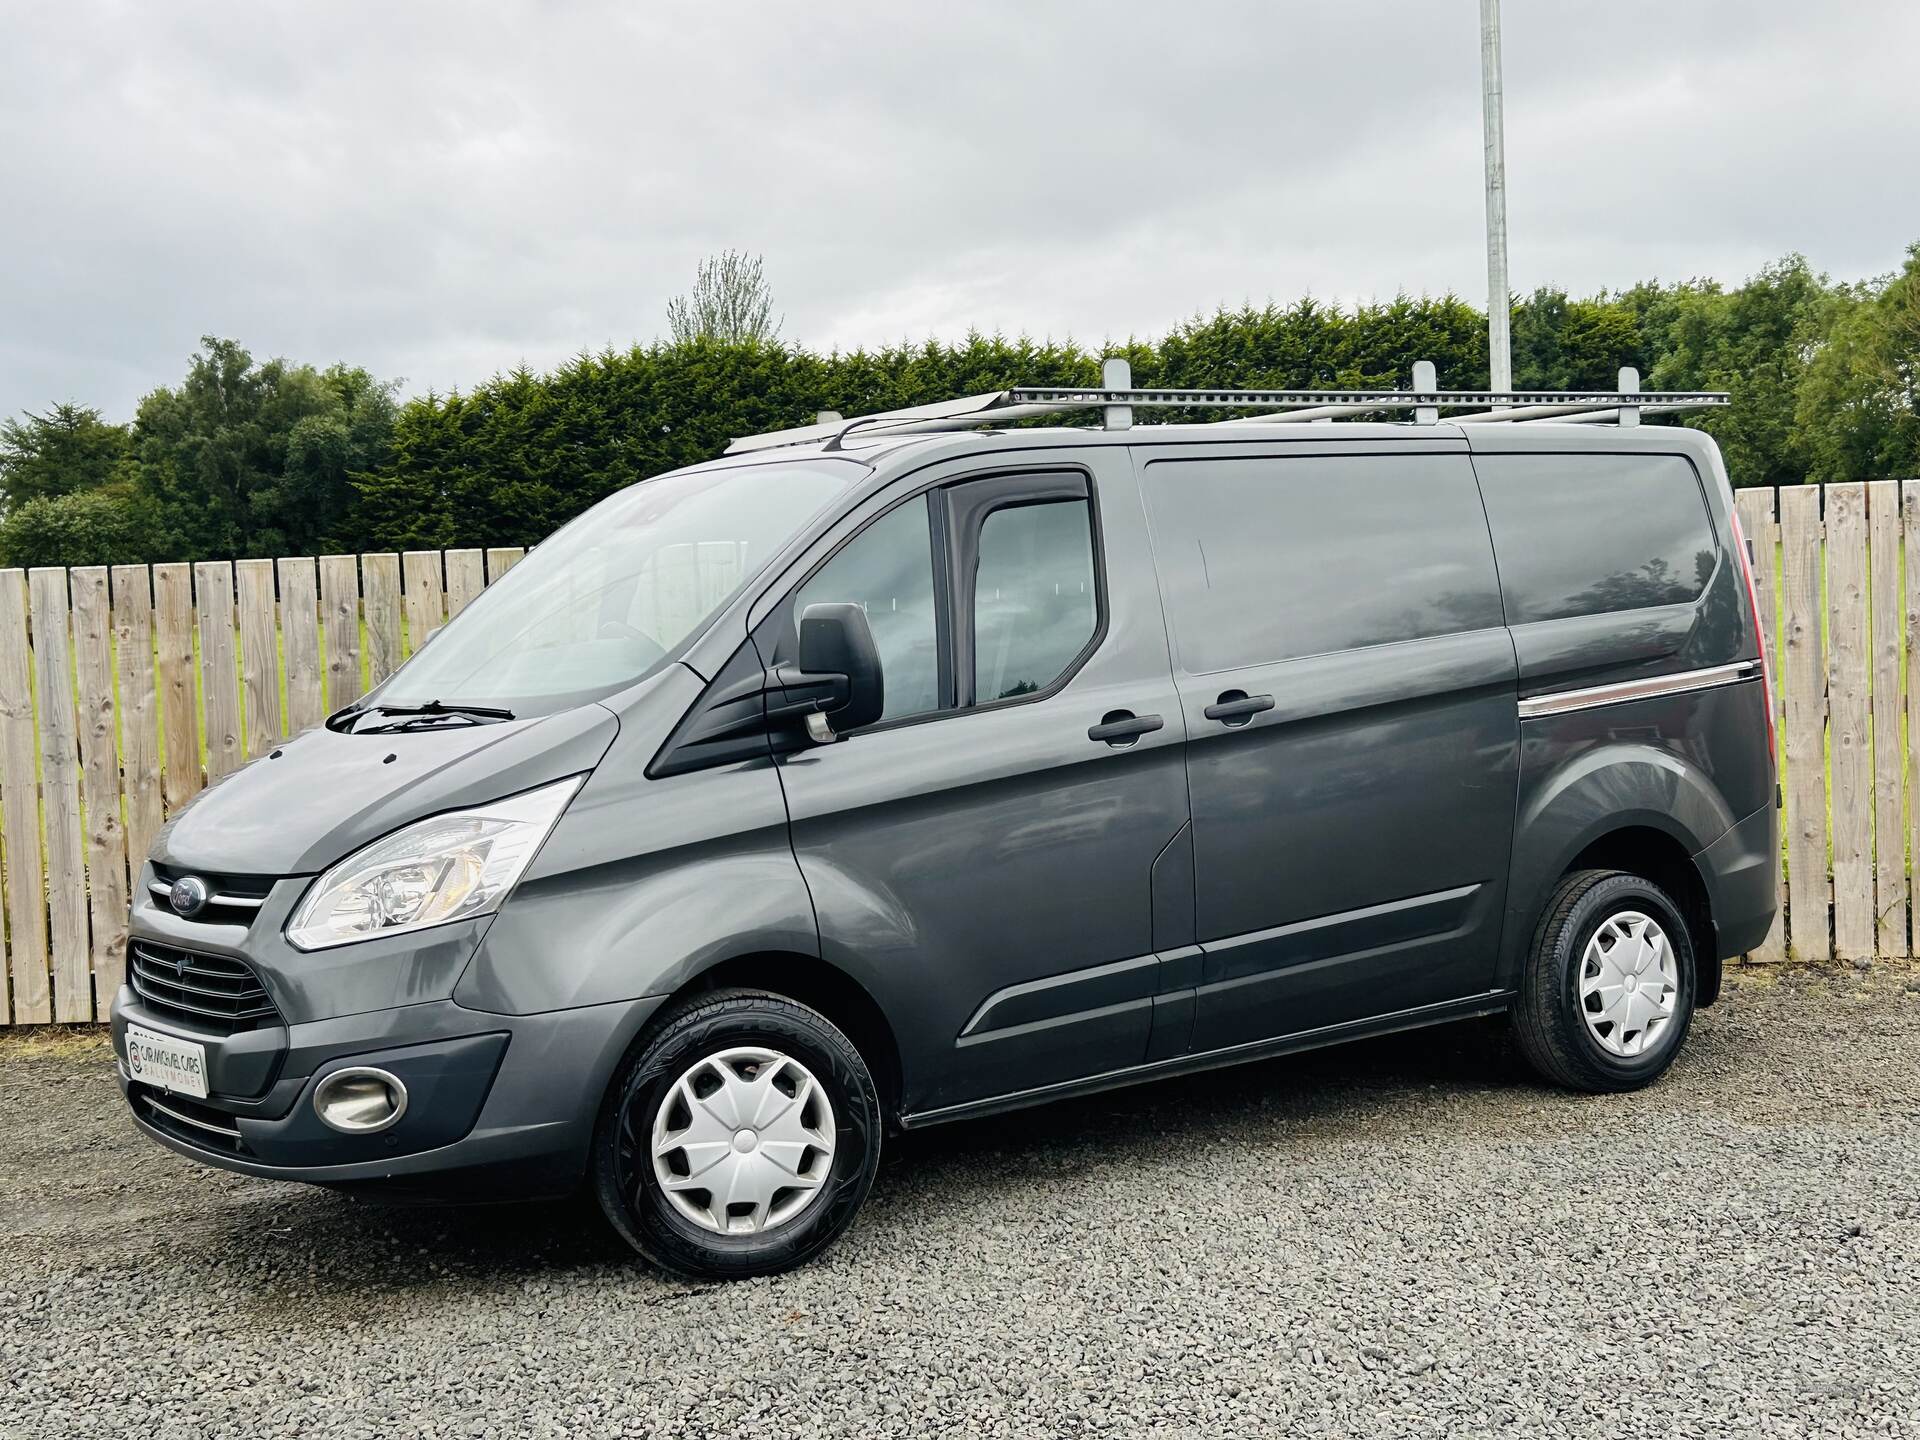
[414,717]
[442,707]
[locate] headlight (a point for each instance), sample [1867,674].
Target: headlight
[446,867]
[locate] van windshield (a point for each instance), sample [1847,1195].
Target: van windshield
[608,596]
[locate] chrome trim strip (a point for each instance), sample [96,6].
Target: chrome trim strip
[160,891]
[210,1128]
[1560,701]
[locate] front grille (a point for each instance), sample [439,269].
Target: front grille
[215,992]
[231,899]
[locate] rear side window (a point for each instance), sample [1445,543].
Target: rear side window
[1269,559]
[1592,534]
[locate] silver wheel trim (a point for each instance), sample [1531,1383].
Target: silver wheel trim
[1629,983]
[743,1141]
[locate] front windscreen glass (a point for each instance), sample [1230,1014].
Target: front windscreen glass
[607,597]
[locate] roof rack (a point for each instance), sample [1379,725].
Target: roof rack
[1117,399]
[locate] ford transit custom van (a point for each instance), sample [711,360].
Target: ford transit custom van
[905,770]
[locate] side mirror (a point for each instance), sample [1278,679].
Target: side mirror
[838,655]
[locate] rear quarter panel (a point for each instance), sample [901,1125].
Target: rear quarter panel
[1680,764]
[1690,765]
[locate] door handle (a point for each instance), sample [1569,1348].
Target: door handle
[1236,707]
[1123,727]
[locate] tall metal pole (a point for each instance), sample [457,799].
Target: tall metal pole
[1499,335]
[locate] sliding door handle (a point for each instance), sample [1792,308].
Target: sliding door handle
[1123,727]
[1236,707]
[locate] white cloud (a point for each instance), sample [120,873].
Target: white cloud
[439,191]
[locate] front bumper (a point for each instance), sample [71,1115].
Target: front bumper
[508,1098]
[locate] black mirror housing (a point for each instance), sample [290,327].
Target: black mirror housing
[835,640]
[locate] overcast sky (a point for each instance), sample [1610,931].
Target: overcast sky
[441,191]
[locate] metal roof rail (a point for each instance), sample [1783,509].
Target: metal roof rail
[1117,399]
[1631,403]
[992,408]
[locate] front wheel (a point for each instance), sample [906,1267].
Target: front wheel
[1607,994]
[739,1140]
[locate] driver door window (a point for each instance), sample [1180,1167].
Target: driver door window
[887,570]
[1020,610]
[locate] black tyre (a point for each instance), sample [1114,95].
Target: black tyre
[1607,993]
[739,1139]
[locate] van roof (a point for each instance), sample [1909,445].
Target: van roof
[887,450]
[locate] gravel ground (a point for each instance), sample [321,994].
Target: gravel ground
[1400,1238]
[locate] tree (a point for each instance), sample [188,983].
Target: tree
[731,303]
[1859,404]
[1754,342]
[85,527]
[246,459]
[63,452]
[1561,343]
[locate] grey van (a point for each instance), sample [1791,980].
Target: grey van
[891,772]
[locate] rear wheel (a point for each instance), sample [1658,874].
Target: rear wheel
[1607,994]
[739,1140]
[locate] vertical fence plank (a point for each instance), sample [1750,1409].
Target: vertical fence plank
[60,796]
[466,577]
[219,679]
[105,833]
[380,577]
[1763,537]
[340,614]
[20,800]
[259,656]
[182,777]
[139,709]
[1889,720]
[501,559]
[1910,530]
[1804,678]
[420,569]
[300,640]
[1847,734]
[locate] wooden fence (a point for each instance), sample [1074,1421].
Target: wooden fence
[124,692]
[1839,589]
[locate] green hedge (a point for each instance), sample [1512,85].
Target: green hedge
[280,458]
[511,459]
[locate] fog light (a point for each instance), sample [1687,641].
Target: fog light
[360,1101]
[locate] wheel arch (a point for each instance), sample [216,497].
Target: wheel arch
[819,985]
[1619,807]
[1656,855]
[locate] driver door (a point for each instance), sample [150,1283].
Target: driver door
[978,859]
